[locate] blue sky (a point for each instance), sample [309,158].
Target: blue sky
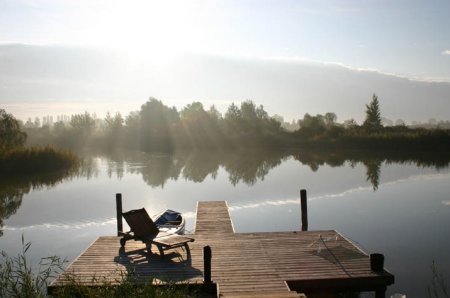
[406,39]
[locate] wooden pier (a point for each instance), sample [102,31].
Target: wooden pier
[276,264]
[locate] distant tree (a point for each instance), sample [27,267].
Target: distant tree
[113,127]
[113,123]
[214,113]
[314,123]
[37,122]
[200,128]
[132,130]
[400,122]
[29,123]
[278,118]
[11,134]
[261,114]
[83,124]
[59,128]
[248,112]
[330,119]
[155,125]
[233,113]
[350,123]
[193,111]
[232,119]
[432,121]
[312,126]
[373,114]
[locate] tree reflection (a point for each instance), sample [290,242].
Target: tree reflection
[242,166]
[198,166]
[156,169]
[12,189]
[251,166]
[371,160]
[373,170]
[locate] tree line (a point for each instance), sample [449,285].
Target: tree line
[158,127]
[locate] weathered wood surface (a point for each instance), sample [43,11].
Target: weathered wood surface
[213,219]
[243,264]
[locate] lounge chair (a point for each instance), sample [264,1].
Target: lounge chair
[144,229]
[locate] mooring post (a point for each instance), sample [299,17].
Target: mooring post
[207,255]
[119,213]
[380,292]
[304,207]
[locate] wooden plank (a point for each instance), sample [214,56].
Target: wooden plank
[213,218]
[243,264]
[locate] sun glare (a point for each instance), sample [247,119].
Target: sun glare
[145,28]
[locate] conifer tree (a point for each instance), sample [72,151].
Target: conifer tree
[373,115]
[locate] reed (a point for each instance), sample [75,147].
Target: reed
[28,161]
[18,278]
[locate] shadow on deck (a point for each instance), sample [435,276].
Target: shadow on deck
[276,264]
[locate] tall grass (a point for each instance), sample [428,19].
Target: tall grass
[18,278]
[36,160]
[127,287]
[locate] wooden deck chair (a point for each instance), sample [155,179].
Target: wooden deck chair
[144,229]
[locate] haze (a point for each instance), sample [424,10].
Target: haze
[293,57]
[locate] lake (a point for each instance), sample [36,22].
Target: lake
[397,204]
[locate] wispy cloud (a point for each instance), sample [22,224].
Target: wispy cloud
[414,78]
[446,52]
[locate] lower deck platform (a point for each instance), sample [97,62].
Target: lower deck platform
[276,264]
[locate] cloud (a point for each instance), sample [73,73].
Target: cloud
[46,77]
[361,69]
[446,52]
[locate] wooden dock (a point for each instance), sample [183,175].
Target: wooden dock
[276,264]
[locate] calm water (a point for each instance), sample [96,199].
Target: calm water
[396,205]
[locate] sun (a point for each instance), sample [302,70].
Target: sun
[145,28]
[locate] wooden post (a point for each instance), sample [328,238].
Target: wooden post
[380,292]
[304,208]
[119,213]
[207,255]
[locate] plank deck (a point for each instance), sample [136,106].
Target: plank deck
[243,264]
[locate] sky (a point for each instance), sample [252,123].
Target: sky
[293,57]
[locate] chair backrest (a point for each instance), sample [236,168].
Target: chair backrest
[141,224]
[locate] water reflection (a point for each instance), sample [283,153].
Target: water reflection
[13,189]
[247,167]
[156,169]
[372,160]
